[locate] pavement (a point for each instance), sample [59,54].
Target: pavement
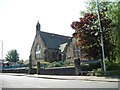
[86,78]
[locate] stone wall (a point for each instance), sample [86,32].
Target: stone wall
[69,53]
[50,71]
[58,71]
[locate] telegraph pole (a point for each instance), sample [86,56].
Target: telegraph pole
[101,33]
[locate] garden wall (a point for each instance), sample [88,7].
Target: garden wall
[49,71]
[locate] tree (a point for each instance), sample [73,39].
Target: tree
[88,33]
[20,62]
[111,10]
[12,56]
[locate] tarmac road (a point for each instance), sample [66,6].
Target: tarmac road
[23,81]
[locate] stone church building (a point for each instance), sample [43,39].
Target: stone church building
[49,46]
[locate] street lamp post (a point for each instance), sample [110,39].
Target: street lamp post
[1,49]
[1,56]
[102,42]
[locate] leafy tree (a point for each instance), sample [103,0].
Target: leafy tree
[111,10]
[12,56]
[89,38]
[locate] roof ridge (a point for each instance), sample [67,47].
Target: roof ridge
[55,34]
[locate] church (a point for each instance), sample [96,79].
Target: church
[49,46]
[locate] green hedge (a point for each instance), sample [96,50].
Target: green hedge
[113,66]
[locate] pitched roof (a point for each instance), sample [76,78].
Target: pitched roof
[53,40]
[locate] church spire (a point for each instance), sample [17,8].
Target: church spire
[38,22]
[37,28]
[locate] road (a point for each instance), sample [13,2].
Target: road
[23,81]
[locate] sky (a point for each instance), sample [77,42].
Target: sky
[18,19]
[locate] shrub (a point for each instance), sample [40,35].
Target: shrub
[113,66]
[95,66]
[99,72]
[90,67]
[56,64]
[85,67]
[67,63]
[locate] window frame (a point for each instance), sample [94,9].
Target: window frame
[37,52]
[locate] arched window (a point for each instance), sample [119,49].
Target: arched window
[37,52]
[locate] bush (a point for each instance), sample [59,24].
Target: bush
[85,67]
[113,66]
[56,64]
[94,66]
[90,67]
[67,63]
[44,64]
[114,73]
[99,72]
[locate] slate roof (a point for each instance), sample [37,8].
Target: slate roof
[52,40]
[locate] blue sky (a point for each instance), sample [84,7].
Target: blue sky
[18,19]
